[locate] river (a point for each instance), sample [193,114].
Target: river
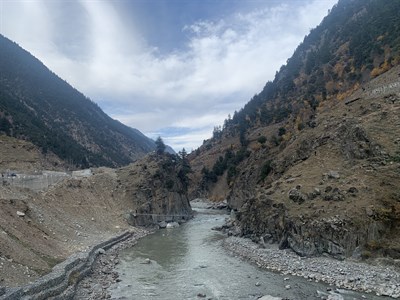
[189,262]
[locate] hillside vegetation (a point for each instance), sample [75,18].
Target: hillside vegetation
[37,106]
[312,161]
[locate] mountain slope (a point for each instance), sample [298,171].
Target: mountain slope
[357,41]
[81,211]
[35,104]
[302,167]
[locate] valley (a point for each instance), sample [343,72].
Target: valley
[295,196]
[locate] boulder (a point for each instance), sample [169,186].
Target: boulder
[296,196]
[335,297]
[222,205]
[268,297]
[314,194]
[162,224]
[352,191]
[333,175]
[172,225]
[20,213]
[333,194]
[101,251]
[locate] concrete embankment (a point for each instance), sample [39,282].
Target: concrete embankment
[62,281]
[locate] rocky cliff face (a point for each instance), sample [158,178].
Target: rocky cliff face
[156,190]
[339,236]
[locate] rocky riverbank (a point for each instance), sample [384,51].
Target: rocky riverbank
[103,275]
[381,278]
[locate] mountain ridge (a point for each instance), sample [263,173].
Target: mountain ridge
[37,105]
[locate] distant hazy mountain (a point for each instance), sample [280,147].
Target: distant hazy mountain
[36,105]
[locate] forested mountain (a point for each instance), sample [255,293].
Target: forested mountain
[357,41]
[312,161]
[36,105]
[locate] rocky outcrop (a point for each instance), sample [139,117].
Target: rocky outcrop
[157,189]
[267,221]
[349,139]
[355,142]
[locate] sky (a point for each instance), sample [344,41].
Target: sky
[170,68]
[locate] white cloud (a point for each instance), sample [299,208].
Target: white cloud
[189,141]
[225,62]
[27,21]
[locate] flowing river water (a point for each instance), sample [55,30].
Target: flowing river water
[189,262]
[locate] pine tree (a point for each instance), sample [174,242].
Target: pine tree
[184,168]
[160,146]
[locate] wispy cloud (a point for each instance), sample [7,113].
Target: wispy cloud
[224,63]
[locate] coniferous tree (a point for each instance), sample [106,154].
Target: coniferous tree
[184,168]
[160,146]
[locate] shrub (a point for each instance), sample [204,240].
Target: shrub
[169,184]
[266,169]
[281,131]
[366,254]
[262,140]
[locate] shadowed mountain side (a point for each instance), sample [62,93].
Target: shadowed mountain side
[36,105]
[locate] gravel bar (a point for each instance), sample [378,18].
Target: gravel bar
[383,280]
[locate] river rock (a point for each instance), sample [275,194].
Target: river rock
[335,297]
[268,297]
[172,225]
[162,224]
[222,205]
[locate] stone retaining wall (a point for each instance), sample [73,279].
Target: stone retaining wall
[60,284]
